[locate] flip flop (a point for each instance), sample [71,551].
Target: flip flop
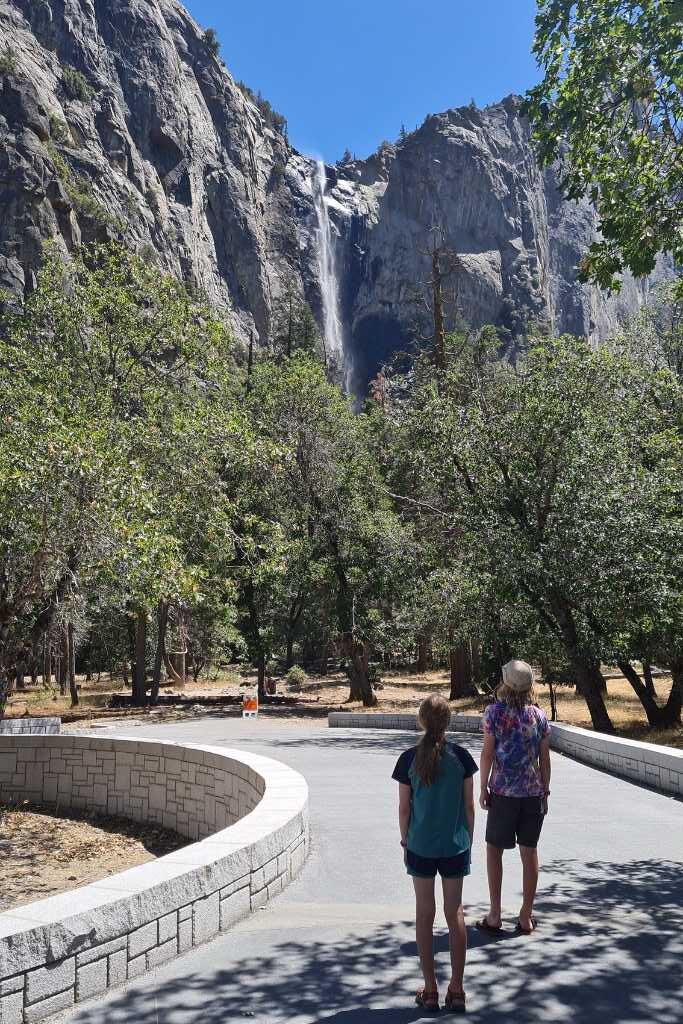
[526,931]
[484,926]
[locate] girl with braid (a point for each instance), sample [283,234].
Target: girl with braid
[436,821]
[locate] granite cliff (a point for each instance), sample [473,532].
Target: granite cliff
[117,120]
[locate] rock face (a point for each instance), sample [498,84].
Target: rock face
[118,121]
[466,180]
[160,148]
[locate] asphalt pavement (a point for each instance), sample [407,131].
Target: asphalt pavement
[338,945]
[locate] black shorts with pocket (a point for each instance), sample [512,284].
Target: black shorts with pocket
[514,819]
[448,867]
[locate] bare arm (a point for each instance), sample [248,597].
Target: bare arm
[403,810]
[488,751]
[468,798]
[544,765]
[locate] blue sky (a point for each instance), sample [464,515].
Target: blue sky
[351,73]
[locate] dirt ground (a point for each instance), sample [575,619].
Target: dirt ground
[41,855]
[401,691]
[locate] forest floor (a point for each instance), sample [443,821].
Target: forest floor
[401,692]
[42,854]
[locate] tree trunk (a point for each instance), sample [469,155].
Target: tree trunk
[139,671]
[649,681]
[250,362]
[462,679]
[47,663]
[657,717]
[261,674]
[63,664]
[258,651]
[358,656]
[590,682]
[171,671]
[439,353]
[553,702]
[71,661]
[671,712]
[289,656]
[180,666]
[422,663]
[162,622]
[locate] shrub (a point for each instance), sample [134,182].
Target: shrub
[8,64]
[59,130]
[76,86]
[277,173]
[295,679]
[211,42]
[61,166]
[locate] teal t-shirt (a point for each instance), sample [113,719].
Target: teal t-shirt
[438,827]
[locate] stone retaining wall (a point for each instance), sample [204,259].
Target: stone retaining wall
[647,763]
[34,726]
[248,813]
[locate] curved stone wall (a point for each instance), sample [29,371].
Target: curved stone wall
[248,815]
[649,764]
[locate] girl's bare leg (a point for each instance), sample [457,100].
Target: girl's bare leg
[494,870]
[425,911]
[529,857]
[457,934]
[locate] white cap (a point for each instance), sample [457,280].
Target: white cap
[518,675]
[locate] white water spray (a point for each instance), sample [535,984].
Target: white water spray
[327,264]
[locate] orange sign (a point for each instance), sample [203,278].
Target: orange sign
[250,704]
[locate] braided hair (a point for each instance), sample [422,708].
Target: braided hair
[434,716]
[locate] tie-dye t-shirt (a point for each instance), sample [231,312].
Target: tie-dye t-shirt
[518,735]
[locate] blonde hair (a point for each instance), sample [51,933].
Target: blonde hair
[434,716]
[516,698]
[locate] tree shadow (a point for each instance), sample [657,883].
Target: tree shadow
[609,948]
[365,740]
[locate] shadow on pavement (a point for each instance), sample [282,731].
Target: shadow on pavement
[365,740]
[609,948]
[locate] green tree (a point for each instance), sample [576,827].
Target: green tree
[328,520]
[116,395]
[610,111]
[211,42]
[560,481]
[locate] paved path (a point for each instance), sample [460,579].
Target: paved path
[338,947]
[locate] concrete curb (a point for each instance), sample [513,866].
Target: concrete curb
[649,764]
[250,817]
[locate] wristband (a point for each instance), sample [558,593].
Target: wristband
[404,844]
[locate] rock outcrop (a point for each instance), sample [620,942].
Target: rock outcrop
[118,120]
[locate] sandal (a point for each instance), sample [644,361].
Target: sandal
[455,1001]
[427,1000]
[484,926]
[526,931]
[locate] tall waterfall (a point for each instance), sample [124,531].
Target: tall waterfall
[327,264]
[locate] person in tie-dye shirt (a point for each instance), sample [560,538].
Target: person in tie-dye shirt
[515,786]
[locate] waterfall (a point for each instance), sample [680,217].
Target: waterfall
[327,265]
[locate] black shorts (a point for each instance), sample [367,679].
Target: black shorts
[514,819]
[448,867]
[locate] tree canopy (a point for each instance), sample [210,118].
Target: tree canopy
[609,113]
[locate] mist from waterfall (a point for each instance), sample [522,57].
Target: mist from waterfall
[327,265]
